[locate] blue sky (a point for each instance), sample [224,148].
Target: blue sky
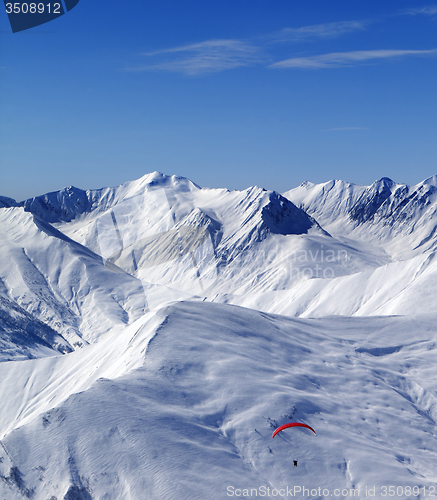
[227,93]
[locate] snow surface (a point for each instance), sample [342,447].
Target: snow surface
[195,412]
[130,371]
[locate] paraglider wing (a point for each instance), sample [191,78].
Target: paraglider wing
[292,424]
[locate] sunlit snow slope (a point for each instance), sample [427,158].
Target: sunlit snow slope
[129,371]
[215,381]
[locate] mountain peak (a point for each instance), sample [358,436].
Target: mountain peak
[384,182]
[158,179]
[281,216]
[307,184]
[63,205]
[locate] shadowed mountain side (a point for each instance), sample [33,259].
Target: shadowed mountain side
[62,283]
[22,336]
[7,202]
[283,217]
[71,202]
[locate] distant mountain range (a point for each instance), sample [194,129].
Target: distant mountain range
[382,211]
[84,261]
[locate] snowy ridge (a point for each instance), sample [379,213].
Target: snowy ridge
[48,382]
[400,217]
[398,288]
[71,202]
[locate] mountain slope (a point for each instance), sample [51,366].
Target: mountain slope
[62,283]
[7,202]
[86,261]
[22,336]
[399,288]
[198,416]
[399,217]
[129,371]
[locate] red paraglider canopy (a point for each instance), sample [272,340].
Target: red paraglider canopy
[292,424]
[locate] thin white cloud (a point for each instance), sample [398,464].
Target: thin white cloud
[316,31]
[206,57]
[340,59]
[208,45]
[343,128]
[218,55]
[429,10]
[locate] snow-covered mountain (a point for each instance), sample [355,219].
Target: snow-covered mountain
[88,260]
[22,336]
[129,372]
[400,217]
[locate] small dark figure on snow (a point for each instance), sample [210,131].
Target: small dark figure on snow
[295,463]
